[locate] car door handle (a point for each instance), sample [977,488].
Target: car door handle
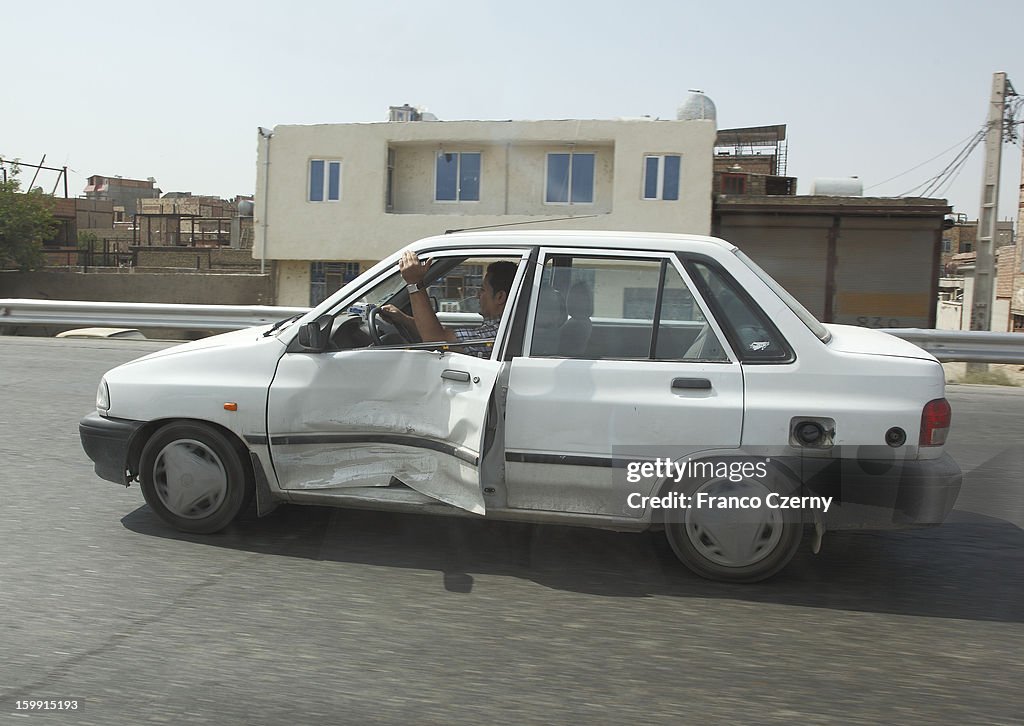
[691,384]
[453,375]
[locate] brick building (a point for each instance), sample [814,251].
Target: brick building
[124,193]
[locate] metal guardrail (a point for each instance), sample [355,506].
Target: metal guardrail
[140,315]
[968,346]
[947,345]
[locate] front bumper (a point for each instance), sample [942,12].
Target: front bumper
[886,494]
[106,442]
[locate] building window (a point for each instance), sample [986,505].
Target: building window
[570,179]
[458,176]
[389,200]
[947,244]
[327,277]
[661,177]
[324,180]
[734,184]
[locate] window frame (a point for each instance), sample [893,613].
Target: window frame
[389,186]
[665,259]
[733,177]
[325,180]
[732,338]
[660,183]
[569,187]
[340,303]
[458,177]
[319,270]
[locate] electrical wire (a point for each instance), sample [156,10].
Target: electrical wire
[953,166]
[954,169]
[949,183]
[914,168]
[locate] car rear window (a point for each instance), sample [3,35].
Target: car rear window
[791,302]
[752,334]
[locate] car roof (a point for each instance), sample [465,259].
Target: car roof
[579,238]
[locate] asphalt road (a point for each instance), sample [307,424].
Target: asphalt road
[317,615]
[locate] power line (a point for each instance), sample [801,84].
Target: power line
[953,165]
[913,168]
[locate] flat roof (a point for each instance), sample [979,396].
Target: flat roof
[751,136]
[822,204]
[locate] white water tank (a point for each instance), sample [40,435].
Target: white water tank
[697,107]
[846,186]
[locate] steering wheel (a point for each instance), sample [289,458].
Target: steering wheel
[372,322]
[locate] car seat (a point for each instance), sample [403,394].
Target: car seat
[575,333]
[550,316]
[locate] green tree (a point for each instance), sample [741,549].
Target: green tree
[87,240]
[25,221]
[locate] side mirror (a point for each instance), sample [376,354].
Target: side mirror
[435,304]
[314,335]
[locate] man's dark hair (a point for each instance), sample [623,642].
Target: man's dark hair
[500,276]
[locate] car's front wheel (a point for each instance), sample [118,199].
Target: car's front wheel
[193,477]
[720,535]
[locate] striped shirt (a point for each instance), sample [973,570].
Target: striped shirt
[487,331]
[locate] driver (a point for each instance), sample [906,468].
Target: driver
[493,297]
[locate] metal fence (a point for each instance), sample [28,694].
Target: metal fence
[140,315]
[970,346]
[946,345]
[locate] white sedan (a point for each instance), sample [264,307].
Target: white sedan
[628,381]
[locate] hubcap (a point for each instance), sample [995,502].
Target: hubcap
[733,537]
[190,479]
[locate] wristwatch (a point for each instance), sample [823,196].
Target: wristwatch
[413,287]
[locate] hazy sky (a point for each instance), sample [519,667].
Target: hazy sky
[177,90]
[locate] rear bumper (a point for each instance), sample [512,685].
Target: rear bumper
[106,442]
[880,494]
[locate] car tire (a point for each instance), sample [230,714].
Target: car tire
[194,477]
[735,545]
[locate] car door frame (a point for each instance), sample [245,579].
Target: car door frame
[527,469]
[450,469]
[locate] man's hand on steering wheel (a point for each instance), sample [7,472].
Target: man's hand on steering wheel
[401,322]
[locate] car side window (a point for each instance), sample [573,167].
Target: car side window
[454,285]
[683,331]
[621,308]
[754,337]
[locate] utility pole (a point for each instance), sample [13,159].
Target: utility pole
[981,304]
[1019,257]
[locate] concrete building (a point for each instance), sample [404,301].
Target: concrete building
[124,193]
[963,235]
[179,218]
[332,199]
[956,292]
[758,150]
[75,215]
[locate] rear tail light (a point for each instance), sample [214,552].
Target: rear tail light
[935,420]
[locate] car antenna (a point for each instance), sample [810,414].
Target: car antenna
[516,224]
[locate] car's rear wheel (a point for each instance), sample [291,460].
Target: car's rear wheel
[734,544]
[194,478]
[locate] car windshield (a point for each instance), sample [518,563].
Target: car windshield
[791,302]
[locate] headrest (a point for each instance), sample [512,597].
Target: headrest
[550,308]
[580,301]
